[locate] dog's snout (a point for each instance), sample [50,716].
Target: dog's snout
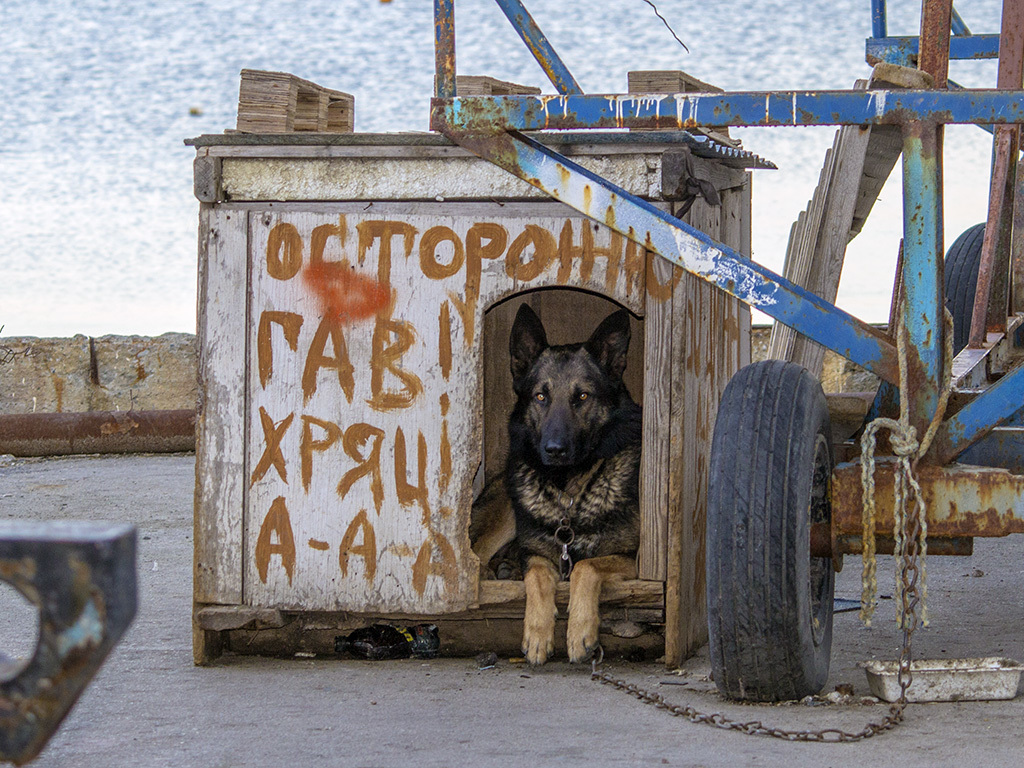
[555,450]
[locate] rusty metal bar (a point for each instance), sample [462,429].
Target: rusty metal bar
[991,299]
[1017,245]
[961,500]
[82,578]
[549,61]
[57,434]
[444,49]
[933,57]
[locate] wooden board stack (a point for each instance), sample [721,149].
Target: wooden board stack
[481,85]
[278,102]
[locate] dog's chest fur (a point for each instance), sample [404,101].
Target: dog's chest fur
[601,503]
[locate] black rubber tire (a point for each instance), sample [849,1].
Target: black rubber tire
[960,273]
[769,601]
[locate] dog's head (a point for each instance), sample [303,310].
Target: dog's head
[566,395]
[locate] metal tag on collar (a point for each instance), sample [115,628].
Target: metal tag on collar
[565,536]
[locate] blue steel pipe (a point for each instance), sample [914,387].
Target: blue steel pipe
[492,114]
[903,50]
[687,247]
[958,25]
[549,61]
[976,419]
[922,270]
[878,19]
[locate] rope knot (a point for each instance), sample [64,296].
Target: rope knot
[904,442]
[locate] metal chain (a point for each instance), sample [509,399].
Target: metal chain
[756,727]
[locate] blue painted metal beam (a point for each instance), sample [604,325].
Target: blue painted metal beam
[922,270]
[879,25]
[958,25]
[490,114]
[976,419]
[903,50]
[549,61]
[687,247]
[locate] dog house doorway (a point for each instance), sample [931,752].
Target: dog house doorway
[569,316]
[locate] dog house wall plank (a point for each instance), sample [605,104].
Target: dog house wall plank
[660,353]
[711,324]
[220,422]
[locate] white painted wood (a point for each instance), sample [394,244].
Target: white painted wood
[220,422]
[444,271]
[384,178]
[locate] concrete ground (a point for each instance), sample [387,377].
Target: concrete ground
[149,706]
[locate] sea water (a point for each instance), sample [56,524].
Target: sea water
[97,215]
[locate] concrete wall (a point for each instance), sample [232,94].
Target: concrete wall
[107,373]
[159,373]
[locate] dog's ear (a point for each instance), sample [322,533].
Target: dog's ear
[526,342]
[610,343]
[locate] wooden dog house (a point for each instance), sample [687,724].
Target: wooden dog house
[337,458]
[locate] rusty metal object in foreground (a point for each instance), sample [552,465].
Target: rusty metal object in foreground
[82,578]
[59,434]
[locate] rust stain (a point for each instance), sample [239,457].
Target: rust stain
[119,426]
[58,391]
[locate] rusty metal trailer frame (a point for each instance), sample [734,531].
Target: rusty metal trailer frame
[988,386]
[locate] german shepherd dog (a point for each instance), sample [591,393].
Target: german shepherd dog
[572,478]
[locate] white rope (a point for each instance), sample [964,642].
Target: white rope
[907,450]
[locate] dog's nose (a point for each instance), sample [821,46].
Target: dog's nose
[555,450]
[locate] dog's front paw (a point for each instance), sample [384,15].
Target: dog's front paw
[538,638]
[582,635]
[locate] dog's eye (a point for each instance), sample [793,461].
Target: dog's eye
[540,397]
[582,396]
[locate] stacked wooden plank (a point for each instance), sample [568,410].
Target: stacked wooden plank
[852,176]
[677,81]
[278,102]
[481,85]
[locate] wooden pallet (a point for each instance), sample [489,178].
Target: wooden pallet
[278,102]
[852,176]
[481,85]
